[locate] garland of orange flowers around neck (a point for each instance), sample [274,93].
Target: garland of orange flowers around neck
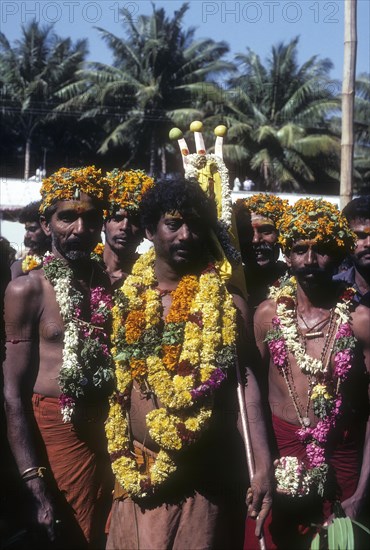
[296,477]
[182,359]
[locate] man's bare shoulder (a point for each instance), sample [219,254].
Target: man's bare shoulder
[361,324]
[263,318]
[266,309]
[26,287]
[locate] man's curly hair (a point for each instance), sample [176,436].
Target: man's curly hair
[178,195]
[30,213]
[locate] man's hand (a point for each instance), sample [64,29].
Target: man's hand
[44,512]
[259,498]
[352,507]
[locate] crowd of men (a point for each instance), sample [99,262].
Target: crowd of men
[134,383]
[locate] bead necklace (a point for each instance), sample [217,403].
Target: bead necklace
[299,477]
[318,333]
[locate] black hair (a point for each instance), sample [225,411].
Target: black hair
[357,208]
[30,213]
[177,194]
[183,196]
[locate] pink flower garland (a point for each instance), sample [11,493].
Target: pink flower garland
[316,438]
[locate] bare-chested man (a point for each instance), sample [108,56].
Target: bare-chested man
[357,213]
[35,240]
[123,233]
[172,431]
[256,220]
[58,369]
[316,348]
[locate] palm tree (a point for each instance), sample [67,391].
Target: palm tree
[31,72]
[159,74]
[362,133]
[278,117]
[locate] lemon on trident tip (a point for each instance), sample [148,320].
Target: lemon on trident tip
[220,131]
[175,133]
[196,126]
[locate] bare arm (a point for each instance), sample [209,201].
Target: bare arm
[22,311]
[354,505]
[259,497]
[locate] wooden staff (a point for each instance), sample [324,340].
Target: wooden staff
[247,438]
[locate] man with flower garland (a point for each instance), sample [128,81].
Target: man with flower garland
[357,213]
[172,431]
[256,220]
[316,350]
[58,370]
[34,239]
[122,229]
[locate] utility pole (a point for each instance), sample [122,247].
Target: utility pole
[348,100]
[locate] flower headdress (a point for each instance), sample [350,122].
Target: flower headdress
[264,204]
[126,189]
[68,183]
[315,219]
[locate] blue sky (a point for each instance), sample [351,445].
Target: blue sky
[256,24]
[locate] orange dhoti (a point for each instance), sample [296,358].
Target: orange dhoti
[77,455]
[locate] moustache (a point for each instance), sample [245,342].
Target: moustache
[365,252]
[310,271]
[183,247]
[263,247]
[74,244]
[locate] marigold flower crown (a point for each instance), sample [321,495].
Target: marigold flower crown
[126,189]
[315,219]
[68,183]
[263,204]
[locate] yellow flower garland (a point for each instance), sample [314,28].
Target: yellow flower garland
[30,262]
[198,335]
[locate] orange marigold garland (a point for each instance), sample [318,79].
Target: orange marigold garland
[68,183]
[316,219]
[264,204]
[183,360]
[127,189]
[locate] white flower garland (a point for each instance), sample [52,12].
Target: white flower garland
[72,379]
[192,171]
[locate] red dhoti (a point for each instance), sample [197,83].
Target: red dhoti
[289,525]
[77,454]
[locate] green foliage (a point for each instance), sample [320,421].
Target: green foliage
[159,72]
[173,333]
[338,535]
[281,112]
[31,73]
[342,534]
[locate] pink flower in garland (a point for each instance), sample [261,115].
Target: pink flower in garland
[278,352]
[322,429]
[315,455]
[327,408]
[344,330]
[277,346]
[342,363]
